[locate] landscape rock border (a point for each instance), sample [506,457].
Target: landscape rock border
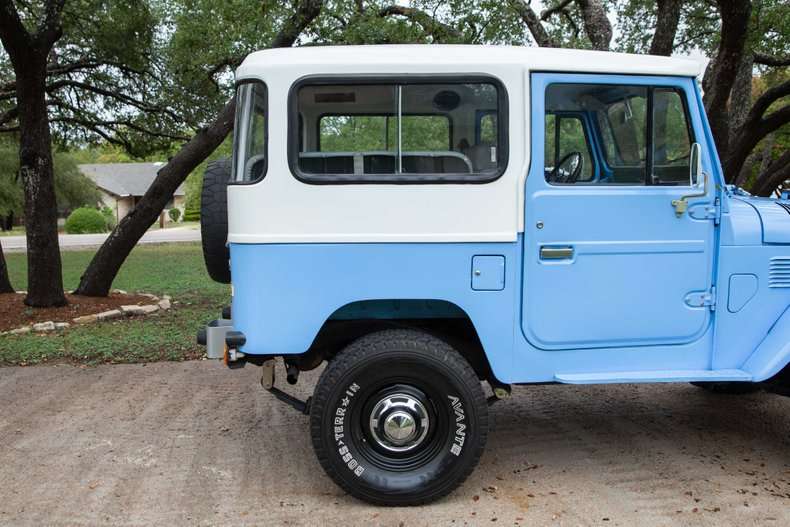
[157,304]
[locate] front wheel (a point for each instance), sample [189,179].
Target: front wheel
[399,418]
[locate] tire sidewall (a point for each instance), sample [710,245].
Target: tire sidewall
[457,444]
[214,220]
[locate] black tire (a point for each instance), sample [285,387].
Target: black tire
[396,365]
[214,220]
[729,388]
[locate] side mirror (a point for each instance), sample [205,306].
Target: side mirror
[695,165]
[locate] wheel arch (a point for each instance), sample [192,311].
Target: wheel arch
[441,318]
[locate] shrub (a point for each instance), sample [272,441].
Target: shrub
[174,214]
[191,214]
[109,218]
[85,220]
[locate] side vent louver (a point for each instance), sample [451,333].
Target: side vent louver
[779,272]
[785,206]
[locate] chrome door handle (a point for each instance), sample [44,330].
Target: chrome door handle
[556,253]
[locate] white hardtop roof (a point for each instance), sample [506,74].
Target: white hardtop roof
[469,57]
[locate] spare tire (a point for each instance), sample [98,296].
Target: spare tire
[214,220]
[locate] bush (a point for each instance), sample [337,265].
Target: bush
[85,220]
[191,214]
[174,214]
[109,218]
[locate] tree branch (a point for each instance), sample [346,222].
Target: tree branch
[51,28]
[770,60]
[547,13]
[141,105]
[776,173]
[756,127]
[429,24]
[12,32]
[533,23]
[306,11]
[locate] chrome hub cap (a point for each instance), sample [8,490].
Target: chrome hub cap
[399,423]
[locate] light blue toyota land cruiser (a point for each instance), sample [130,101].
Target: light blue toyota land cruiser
[424,218]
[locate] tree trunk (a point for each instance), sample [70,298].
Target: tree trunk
[596,23]
[98,277]
[5,283]
[741,96]
[734,26]
[45,283]
[667,17]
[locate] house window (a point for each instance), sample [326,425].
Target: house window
[379,131]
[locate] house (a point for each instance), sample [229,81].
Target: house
[122,185]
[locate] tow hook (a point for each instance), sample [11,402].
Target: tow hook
[234,358]
[267,381]
[501,392]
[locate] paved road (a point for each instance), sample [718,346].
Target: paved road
[72,241]
[195,444]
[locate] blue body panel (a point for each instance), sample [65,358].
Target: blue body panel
[625,306]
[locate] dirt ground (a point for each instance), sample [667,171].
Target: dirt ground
[195,444]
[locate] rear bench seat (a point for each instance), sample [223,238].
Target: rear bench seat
[384,162]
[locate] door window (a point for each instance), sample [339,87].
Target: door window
[641,135]
[567,144]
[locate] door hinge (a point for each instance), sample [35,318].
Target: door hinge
[703,299]
[709,211]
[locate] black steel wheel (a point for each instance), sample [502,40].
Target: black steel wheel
[399,418]
[214,220]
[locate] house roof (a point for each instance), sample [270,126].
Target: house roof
[124,179]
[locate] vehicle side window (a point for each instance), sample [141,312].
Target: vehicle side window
[250,132]
[569,129]
[348,133]
[641,135]
[377,131]
[671,138]
[486,129]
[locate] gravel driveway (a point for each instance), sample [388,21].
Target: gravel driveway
[195,444]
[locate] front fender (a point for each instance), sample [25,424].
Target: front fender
[773,353]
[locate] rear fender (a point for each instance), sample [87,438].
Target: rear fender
[773,353]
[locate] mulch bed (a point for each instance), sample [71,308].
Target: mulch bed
[14,313]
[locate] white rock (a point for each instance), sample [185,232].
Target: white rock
[119,291]
[20,331]
[85,319]
[108,315]
[164,304]
[61,325]
[44,326]
[147,310]
[132,310]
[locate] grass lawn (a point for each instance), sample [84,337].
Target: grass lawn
[174,269]
[15,231]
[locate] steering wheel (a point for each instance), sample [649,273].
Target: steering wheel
[572,164]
